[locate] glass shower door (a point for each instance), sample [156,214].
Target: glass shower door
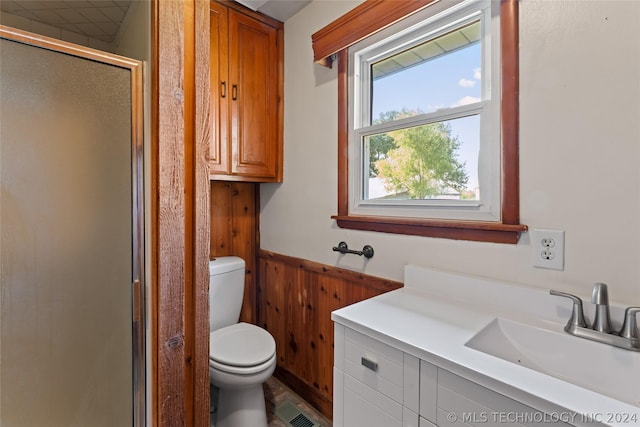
[69,221]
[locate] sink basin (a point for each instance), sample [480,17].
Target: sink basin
[599,367]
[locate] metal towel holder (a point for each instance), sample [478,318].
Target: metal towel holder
[342,247]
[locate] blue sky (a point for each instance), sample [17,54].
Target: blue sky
[448,80]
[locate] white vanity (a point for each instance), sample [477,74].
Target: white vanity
[449,349]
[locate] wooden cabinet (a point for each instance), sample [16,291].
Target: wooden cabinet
[246,72]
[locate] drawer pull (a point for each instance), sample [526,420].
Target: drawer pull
[369,364]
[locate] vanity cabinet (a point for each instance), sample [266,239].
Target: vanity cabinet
[246,80]
[464,402]
[376,384]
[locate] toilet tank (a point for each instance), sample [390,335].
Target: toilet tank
[226,290]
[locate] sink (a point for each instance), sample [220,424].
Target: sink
[602,368]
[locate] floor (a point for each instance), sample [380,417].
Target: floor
[276,393]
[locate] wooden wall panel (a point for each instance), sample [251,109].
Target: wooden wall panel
[179,217]
[201,209]
[331,297]
[300,316]
[234,222]
[271,309]
[295,301]
[290,297]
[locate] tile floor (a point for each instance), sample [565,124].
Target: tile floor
[275,393]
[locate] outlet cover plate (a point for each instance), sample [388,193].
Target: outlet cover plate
[548,248]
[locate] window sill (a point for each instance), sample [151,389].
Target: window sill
[458,230]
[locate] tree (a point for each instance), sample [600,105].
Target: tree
[423,162]
[380,144]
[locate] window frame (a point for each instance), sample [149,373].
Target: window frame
[332,42]
[422,27]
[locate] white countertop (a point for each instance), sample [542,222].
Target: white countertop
[436,313]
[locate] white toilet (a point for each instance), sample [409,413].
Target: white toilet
[241,356]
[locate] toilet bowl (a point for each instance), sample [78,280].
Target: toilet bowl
[241,356]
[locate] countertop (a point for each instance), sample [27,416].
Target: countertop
[436,313]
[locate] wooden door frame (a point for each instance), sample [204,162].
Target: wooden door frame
[180,214]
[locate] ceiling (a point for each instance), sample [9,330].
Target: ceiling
[101,19]
[432,49]
[98,20]
[278,9]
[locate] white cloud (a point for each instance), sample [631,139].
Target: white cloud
[466,83]
[477,74]
[466,101]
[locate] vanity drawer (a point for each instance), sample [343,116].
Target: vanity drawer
[462,400]
[374,363]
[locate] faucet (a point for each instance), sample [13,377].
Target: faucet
[629,327]
[601,331]
[600,298]
[577,316]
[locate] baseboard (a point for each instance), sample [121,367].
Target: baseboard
[310,394]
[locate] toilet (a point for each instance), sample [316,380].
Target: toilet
[241,356]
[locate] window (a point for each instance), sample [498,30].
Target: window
[423,139]
[428,110]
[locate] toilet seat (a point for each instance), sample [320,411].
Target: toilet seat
[242,370]
[241,348]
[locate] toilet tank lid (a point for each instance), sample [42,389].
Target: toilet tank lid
[225,264]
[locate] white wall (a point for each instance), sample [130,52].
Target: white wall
[134,37]
[579,156]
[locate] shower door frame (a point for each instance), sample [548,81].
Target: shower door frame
[138,284]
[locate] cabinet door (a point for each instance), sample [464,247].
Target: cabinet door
[463,402]
[219,81]
[426,423]
[363,406]
[428,391]
[254,76]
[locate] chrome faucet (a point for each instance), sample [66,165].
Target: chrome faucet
[600,297]
[601,331]
[630,327]
[577,316]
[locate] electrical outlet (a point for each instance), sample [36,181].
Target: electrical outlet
[548,248]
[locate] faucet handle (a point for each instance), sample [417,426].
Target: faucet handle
[629,327]
[600,295]
[577,316]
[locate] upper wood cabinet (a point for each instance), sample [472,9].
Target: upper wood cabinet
[246,71]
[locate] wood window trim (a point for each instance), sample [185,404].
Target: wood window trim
[332,42]
[361,22]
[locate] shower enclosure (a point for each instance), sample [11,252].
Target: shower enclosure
[72,332]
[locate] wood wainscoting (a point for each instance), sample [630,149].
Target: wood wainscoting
[234,231]
[295,301]
[290,297]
